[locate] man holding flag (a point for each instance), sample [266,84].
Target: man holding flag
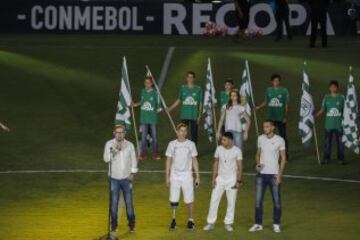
[149,107]
[333,106]
[350,117]
[190,98]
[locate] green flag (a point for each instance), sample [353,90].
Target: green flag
[209,101]
[306,122]
[123,114]
[350,117]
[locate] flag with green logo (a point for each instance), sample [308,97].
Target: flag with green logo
[350,117]
[246,94]
[306,122]
[209,101]
[123,113]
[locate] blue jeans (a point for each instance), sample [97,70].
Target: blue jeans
[328,142]
[192,124]
[125,185]
[149,129]
[262,181]
[238,139]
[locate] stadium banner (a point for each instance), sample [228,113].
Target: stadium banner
[167,18]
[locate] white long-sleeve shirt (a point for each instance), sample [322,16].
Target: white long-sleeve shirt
[124,162]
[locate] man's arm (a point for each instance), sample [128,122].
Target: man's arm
[134,164]
[286,113]
[167,170]
[257,159]
[263,104]
[195,164]
[282,166]
[214,172]
[221,122]
[239,173]
[107,154]
[174,105]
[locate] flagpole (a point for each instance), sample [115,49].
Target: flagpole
[316,144]
[252,98]
[162,99]
[132,111]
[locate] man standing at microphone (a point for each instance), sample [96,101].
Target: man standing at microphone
[121,156]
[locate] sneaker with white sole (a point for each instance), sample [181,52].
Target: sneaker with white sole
[276,228]
[255,228]
[228,227]
[209,227]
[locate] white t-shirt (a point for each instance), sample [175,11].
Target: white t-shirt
[232,118]
[270,153]
[181,154]
[227,168]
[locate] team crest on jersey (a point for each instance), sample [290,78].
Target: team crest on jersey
[275,102]
[189,101]
[147,107]
[333,112]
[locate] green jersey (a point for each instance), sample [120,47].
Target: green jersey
[149,106]
[276,99]
[224,99]
[190,101]
[333,106]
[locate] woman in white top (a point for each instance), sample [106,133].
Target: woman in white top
[231,116]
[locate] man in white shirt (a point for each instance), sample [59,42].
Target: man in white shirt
[226,176]
[120,154]
[271,148]
[181,159]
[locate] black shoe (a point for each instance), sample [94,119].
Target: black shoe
[190,225]
[113,228]
[132,228]
[172,225]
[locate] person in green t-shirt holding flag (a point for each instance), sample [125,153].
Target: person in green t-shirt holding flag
[333,106]
[277,102]
[149,108]
[190,98]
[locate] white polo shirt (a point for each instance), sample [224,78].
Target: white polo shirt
[227,168]
[182,154]
[270,153]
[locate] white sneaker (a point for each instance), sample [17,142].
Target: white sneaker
[228,227]
[255,228]
[209,227]
[276,228]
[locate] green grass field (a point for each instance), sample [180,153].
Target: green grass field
[58,95]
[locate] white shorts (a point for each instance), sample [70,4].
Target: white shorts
[184,184]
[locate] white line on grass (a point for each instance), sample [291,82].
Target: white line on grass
[328,179]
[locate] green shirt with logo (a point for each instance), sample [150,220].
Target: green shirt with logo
[190,101]
[276,99]
[333,107]
[224,99]
[148,107]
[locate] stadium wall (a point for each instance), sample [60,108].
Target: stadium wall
[166,18]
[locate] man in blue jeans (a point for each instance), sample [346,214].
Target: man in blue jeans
[271,149]
[120,154]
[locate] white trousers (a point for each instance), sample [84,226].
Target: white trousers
[231,194]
